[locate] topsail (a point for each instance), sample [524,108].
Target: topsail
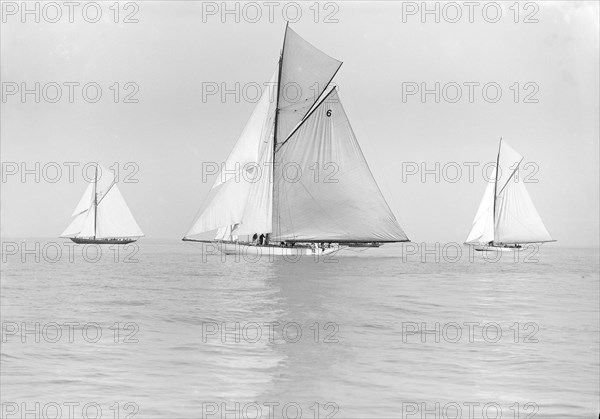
[305,74]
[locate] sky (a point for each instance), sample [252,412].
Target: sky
[176,50]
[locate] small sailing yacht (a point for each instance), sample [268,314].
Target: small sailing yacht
[102,216]
[506,218]
[269,200]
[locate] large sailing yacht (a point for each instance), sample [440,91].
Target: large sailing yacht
[506,218]
[102,216]
[257,207]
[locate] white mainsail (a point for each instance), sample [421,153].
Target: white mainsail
[102,212]
[506,214]
[240,203]
[324,188]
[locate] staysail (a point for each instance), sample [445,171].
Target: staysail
[506,214]
[253,195]
[102,212]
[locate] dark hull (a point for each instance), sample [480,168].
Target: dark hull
[492,248]
[371,244]
[102,241]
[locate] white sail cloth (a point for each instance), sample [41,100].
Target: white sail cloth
[110,219]
[242,194]
[515,218]
[482,230]
[324,189]
[305,74]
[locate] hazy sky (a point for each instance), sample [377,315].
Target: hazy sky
[171,52]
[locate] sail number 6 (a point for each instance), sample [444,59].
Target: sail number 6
[329,112]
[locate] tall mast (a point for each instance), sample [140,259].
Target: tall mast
[278,91]
[496,183]
[277,117]
[95,198]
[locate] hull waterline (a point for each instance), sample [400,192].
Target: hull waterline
[487,248]
[234,248]
[102,241]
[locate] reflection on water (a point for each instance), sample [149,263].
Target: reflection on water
[367,333]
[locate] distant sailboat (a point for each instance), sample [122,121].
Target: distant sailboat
[258,209]
[102,216]
[506,218]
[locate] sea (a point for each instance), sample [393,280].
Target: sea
[167,329]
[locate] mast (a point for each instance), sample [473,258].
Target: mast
[278,91]
[277,116]
[496,183]
[95,198]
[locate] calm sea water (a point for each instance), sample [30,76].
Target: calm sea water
[184,336]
